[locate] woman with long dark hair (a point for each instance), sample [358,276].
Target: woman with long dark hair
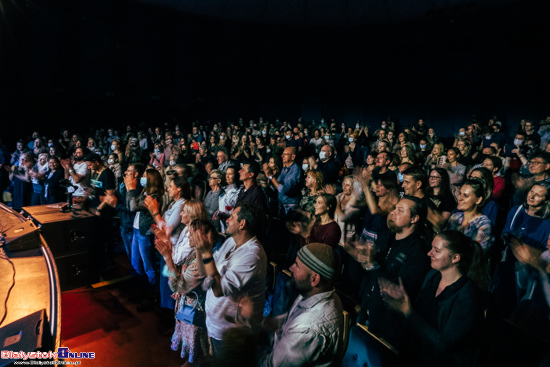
[53,192]
[439,192]
[325,229]
[455,169]
[22,185]
[491,207]
[321,227]
[170,226]
[447,316]
[494,165]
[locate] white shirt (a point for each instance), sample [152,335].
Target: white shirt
[243,272]
[228,199]
[311,334]
[181,248]
[172,219]
[80,169]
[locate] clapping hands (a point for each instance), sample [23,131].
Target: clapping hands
[395,296]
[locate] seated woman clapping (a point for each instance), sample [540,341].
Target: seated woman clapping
[446,318]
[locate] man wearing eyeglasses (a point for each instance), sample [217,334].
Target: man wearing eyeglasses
[539,165]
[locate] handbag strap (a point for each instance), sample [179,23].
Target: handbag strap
[515,215]
[196,300]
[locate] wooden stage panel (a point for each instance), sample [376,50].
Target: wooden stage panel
[31,292]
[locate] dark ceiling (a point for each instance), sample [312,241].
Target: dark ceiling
[99,61]
[327,12]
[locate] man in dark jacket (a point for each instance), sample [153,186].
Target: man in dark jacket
[400,254]
[120,203]
[328,165]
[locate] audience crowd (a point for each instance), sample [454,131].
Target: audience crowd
[437,244]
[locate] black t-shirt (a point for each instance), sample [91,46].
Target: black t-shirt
[444,204]
[330,170]
[105,181]
[403,259]
[376,174]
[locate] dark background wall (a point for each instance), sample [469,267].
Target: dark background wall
[106,62]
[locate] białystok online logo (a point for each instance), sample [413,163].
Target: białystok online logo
[61,353]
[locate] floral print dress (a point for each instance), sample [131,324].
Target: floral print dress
[192,340]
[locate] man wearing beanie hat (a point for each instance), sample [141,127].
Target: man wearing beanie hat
[311,333]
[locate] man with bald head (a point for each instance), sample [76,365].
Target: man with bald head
[288,182]
[328,165]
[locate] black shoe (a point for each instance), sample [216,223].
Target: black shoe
[137,297]
[147,305]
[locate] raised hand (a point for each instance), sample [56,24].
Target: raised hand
[201,242]
[268,172]
[110,200]
[526,254]
[65,163]
[395,296]
[152,204]
[366,251]
[164,247]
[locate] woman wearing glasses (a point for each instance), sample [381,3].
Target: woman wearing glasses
[216,180]
[439,192]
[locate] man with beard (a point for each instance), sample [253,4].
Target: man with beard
[237,269]
[311,333]
[77,174]
[399,256]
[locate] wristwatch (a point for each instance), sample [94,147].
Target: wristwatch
[71,170]
[371,267]
[207,260]
[270,178]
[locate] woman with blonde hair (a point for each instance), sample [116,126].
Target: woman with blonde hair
[348,208]
[436,158]
[185,275]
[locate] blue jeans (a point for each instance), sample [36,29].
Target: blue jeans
[127,237]
[217,346]
[143,258]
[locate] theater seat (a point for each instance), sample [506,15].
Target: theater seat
[365,349]
[283,293]
[345,333]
